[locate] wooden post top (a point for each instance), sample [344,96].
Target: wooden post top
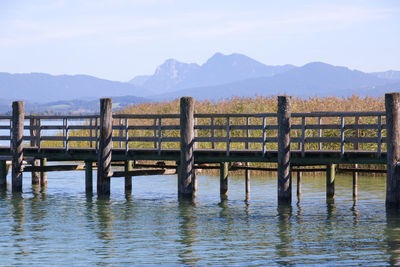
[187,100]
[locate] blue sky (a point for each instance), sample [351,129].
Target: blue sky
[119,39]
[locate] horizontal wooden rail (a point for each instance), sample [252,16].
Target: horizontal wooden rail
[311,131]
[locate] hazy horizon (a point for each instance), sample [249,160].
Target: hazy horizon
[118,40]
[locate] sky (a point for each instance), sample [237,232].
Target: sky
[119,39]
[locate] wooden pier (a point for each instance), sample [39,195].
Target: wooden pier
[194,141]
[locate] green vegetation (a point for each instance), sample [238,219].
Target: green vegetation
[244,105]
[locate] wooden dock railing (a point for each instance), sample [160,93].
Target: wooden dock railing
[340,131]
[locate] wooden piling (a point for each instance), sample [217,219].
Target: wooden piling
[88,177]
[355,182]
[392,105]
[35,135]
[17,144]
[330,180]
[187,183]
[298,184]
[284,177]
[3,174]
[43,174]
[223,178]
[128,178]
[105,148]
[247,178]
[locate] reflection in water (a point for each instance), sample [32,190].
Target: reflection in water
[18,215]
[187,231]
[105,220]
[330,209]
[284,247]
[64,227]
[104,231]
[356,214]
[392,233]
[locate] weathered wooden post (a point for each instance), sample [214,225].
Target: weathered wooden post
[34,133]
[392,104]
[187,183]
[105,148]
[3,175]
[128,178]
[223,178]
[43,174]
[88,177]
[17,144]
[330,180]
[299,184]
[284,177]
[247,178]
[356,147]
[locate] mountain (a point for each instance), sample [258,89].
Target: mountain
[313,79]
[139,80]
[41,88]
[169,75]
[173,75]
[390,75]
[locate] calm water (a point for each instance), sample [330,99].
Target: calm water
[63,226]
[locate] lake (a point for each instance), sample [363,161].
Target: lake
[63,226]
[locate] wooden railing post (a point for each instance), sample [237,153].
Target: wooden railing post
[356,147]
[186,173]
[284,177]
[105,148]
[17,144]
[34,133]
[392,104]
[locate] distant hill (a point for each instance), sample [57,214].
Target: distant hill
[41,88]
[221,76]
[76,106]
[390,74]
[313,79]
[173,75]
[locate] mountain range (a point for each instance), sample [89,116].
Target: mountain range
[221,76]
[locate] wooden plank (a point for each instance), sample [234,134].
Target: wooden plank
[144,172]
[340,113]
[361,170]
[53,168]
